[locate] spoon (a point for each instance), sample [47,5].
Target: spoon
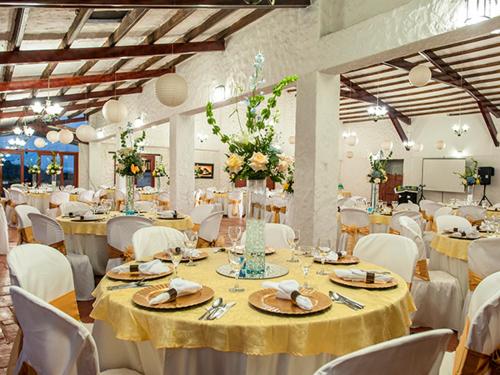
[335,297]
[217,302]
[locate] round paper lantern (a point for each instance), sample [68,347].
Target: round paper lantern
[352,140]
[386,146]
[114,111]
[419,147]
[52,136]
[85,133]
[40,143]
[440,145]
[420,75]
[349,154]
[66,136]
[171,90]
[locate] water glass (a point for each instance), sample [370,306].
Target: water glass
[394,204]
[175,257]
[305,264]
[294,242]
[191,242]
[323,248]
[235,260]
[234,233]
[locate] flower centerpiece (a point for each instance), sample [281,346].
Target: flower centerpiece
[469,178]
[378,174]
[254,156]
[289,177]
[34,170]
[160,171]
[129,163]
[54,169]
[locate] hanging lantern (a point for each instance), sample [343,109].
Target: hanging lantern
[66,136]
[53,136]
[387,146]
[86,133]
[440,145]
[171,90]
[114,111]
[40,143]
[352,140]
[349,154]
[420,75]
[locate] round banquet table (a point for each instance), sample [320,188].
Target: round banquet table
[89,238]
[39,200]
[245,340]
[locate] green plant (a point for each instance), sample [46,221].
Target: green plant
[128,159]
[470,176]
[378,164]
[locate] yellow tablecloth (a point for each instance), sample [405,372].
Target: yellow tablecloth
[98,228]
[380,219]
[450,246]
[493,214]
[148,197]
[73,197]
[337,331]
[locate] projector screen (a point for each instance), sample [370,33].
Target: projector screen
[439,175]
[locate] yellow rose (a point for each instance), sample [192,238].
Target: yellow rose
[258,161]
[234,163]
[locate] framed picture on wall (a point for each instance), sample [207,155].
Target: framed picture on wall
[204,170]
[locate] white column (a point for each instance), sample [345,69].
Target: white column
[317,156]
[181,162]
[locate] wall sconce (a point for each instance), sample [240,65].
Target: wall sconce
[202,137]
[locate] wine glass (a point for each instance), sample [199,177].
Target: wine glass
[324,247]
[234,233]
[306,263]
[294,242]
[235,260]
[175,257]
[191,242]
[394,205]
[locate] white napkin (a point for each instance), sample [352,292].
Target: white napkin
[285,289]
[182,287]
[149,268]
[166,214]
[190,253]
[358,275]
[332,256]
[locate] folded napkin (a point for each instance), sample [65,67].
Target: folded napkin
[167,214]
[149,268]
[190,253]
[359,275]
[285,290]
[178,287]
[333,256]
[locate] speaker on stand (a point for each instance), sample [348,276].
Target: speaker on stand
[485,174]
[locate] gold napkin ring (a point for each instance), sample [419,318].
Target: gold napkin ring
[134,268]
[172,293]
[294,295]
[370,277]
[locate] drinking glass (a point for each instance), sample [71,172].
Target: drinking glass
[305,264]
[175,257]
[294,242]
[324,247]
[191,242]
[236,262]
[234,233]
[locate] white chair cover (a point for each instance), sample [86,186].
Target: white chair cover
[22,212]
[417,354]
[59,197]
[210,227]
[4,232]
[19,187]
[86,196]
[278,202]
[352,217]
[407,207]
[276,236]
[395,225]
[144,206]
[152,240]
[75,208]
[200,213]
[443,211]
[472,212]
[426,204]
[235,204]
[396,253]
[346,203]
[48,231]
[448,222]
[18,196]
[54,343]
[119,234]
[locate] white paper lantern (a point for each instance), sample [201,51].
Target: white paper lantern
[40,143]
[440,145]
[352,140]
[387,146]
[86,133]
[420,75]
[349,154]
[114,111]
[52,136]
[66,136]
[171,90]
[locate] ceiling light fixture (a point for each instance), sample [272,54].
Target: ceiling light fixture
[460,129]
[48,112]
[377,112]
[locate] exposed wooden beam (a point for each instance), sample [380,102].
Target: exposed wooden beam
[71,97]
[74,107]
[165,4]
[398,127]
[359,93]
[489,124]
[58,82]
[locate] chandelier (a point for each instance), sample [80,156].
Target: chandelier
[25,130]
[47,112]
[460,129]
[377,112]
[21,137]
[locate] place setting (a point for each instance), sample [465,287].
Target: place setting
[152,270]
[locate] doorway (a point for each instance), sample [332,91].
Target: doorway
[394,178]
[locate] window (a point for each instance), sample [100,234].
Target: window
[11,170]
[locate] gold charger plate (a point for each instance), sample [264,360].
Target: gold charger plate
[347,260]
[361,284]
[166,257]
[142,297]
[136,276]
[266,300]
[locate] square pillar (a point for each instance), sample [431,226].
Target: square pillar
[181,162]
[317,157]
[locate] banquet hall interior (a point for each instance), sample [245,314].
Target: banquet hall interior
[249,187]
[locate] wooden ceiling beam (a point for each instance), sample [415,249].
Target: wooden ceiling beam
[397,126]
[490,125]
[69,81]
[29,113]
[160,4]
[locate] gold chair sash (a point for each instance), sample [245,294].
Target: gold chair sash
[422,270]
[470,362]
[206,200]
[118,204]
[26,235]
[236,207]
[67,303]
[474,280]
[353,231]
[431,225]
[394,231]
[202,243]
[473,221]
[256,211]
[277,210]
[127,255]
[59,246]
[164,204]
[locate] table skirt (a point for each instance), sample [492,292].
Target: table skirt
[95,247]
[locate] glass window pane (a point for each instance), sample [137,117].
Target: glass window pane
[146,179]
[46,160]
[69,169]
[11,170]
[30,158]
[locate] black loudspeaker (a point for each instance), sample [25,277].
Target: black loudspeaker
[485,174]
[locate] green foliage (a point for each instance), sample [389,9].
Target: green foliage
[128,159]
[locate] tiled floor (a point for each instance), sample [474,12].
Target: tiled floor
[8,327]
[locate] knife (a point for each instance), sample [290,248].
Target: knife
[137,284]
[349,300]
[220,311]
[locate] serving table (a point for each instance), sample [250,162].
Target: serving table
[89,237]
[245,340]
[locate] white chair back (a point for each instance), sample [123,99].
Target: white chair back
[442,211]
[275,235]
[144,206]
[424,203]
[395,224]
[354,216]
[152,240]
[46,230]
[121,229]
[53,343]
[74,208]
[19,187]
[403,355]
[472,212]
[410,229]
[101,193]
[164,196]
[119,195]
[448,222]
[407,207]
[432,207]
[59,197]
[86,196]
[346,203]
[22,212]
[210,227]
[4,232]
[396,253]
[17,196]
[411,223]
[200,213]
[484,257]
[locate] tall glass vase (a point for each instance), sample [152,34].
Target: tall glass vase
[158,184]
[374,197]
[255,258]
[470,194]
[54,182]
[34,180]
[129,198]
